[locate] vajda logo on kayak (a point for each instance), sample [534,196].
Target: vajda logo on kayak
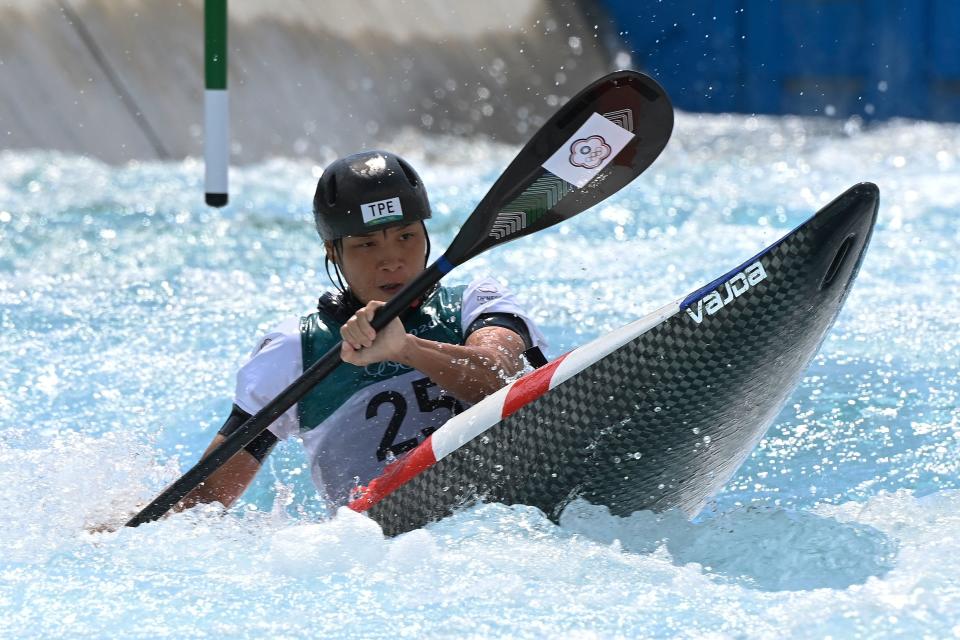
[728,291]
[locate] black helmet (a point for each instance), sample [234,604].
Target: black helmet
[367,192]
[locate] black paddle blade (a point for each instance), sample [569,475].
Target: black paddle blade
[598,142]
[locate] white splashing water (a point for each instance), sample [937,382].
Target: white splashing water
[126,306]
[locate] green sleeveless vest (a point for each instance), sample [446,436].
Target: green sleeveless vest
[437,319]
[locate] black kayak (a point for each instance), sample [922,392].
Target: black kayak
[655,415]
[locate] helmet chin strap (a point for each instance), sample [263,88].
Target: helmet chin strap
[338,250]
[426,235]
[338,283]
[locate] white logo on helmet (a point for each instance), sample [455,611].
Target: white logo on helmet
[382,211]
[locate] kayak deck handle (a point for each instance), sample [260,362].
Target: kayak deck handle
[838,259]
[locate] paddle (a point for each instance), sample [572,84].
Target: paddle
[591,154]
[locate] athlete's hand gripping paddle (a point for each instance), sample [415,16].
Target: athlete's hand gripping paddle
[597,143]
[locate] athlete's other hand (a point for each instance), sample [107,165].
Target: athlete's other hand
[362,345]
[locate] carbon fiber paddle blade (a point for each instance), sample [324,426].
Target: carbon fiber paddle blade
[598,142]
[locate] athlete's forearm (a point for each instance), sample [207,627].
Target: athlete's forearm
[227,483]
[470,372]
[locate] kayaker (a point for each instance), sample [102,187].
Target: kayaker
[452,348]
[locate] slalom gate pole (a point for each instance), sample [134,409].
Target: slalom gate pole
[216,107]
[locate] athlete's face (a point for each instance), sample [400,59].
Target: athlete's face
[378,264]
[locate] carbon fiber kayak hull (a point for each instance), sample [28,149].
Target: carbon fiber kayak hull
[657,414]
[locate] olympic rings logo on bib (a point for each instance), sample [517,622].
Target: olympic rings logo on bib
[386,369]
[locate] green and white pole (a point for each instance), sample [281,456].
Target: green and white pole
[216,107]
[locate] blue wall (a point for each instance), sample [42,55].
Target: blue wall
[873,58]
